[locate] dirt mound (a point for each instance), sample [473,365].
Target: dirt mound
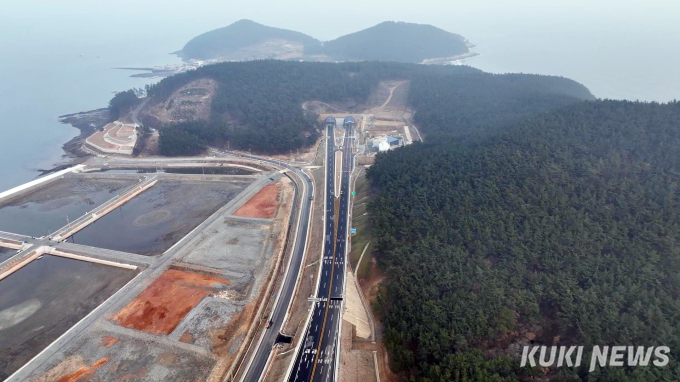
[161,306]
[263,204]
[191,101]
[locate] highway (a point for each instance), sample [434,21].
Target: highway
[257,363]
[318,353]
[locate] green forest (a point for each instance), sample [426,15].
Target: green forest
[532,214]
[258,105]
[533,223]
[121,103]
[394,41]
[241,34]
[387,41]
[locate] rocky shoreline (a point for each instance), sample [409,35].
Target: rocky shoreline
[87,122]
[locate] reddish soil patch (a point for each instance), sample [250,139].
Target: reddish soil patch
[85,372]
[263,204]
[371,286]
[187,338]
[108,341]
[167,300]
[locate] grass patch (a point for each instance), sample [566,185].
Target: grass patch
[361,222]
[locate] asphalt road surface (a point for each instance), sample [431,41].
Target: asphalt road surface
[258,361]
[316,360]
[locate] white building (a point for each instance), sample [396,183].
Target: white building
[384,143]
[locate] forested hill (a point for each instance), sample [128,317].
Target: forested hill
[387,41]
[396,41]
[224,42]
[479,104]
[257,105]
[561,230]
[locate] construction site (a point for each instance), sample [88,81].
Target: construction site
[138,272]
[114,138]
[363,356]
[168,269]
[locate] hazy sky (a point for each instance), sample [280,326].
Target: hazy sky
[330,19]
[58,55]
[618,48]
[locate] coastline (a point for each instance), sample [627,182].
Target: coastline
[449,60]
[87,122]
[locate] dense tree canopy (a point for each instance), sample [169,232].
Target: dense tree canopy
[223,42]
[395,41]
[387,41]
[564,227]
[258,105]
[175,141]
[479,104]
[121,103]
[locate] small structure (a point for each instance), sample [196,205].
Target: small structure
[384,143]
[115,138]
[330,122]
[395,141]
[349,122]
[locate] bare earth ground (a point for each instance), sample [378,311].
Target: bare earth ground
[105,356]
[370,287]
[356,365]
[147,144]
[277,49]
[194,317]
[355,312]
[167,300]
[191,101]
[243,328]
[124,136]
[393,114]
[262,205]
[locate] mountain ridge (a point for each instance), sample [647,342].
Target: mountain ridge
[247,40]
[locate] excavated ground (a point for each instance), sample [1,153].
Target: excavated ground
[105,356]
[188,322]
[262,205]
[167,300]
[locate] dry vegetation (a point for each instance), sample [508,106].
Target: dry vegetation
[189,102]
